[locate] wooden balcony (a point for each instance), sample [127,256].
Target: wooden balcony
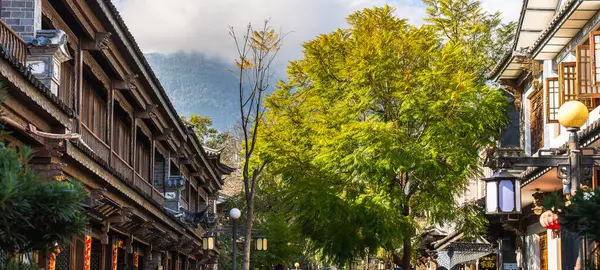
[93,142]
[148,189]
[122,167]
[12,43]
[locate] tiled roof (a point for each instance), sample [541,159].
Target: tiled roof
[28,75]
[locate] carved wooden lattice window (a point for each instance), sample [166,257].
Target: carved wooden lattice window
[567,77]
[63,259]
[553,99]
[537,121]
[595,55]
[94,110]
[588,92]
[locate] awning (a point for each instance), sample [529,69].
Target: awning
[456,253]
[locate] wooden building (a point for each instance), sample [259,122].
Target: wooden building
[555,58]
[81,93]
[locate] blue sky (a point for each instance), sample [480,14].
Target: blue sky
[202,25]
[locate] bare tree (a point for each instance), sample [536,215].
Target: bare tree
[256,50]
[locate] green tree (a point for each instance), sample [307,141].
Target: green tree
[379,125]
[212,138]
[256,51]
[37,213]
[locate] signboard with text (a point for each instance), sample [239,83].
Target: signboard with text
[488,262]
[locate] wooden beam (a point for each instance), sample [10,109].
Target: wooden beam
[148,113]
[99,43]
[165,135]
[128,83]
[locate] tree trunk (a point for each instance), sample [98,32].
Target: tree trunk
[406,254]
[407,247]
[248,234]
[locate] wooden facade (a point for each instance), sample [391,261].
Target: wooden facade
[101,117]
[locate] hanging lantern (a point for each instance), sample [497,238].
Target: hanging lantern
[549,220]
[502,193]
[261,243]
[208,242]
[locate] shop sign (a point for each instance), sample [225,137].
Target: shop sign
[488,262]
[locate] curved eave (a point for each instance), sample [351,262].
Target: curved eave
[535,16]
[572,18]
[507,68]
[225,169]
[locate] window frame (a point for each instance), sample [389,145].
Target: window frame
[548,99]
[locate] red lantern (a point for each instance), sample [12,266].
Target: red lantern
[549,220]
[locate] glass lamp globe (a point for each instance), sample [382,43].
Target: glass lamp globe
[235,213]
[573,114]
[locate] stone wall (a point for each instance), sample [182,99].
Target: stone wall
[23,16]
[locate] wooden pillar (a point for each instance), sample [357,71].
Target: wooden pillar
[167,169]
[79,87]
[103,257]
[152,160]
[110,115]
[133,145]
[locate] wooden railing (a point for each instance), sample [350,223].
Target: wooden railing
[13,43]
[158,196]
[142,184]
[122,167]
[98,146]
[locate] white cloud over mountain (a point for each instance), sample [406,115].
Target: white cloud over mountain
[202,25]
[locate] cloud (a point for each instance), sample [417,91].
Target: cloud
[202,25]
[510,9]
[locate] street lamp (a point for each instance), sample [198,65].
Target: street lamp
[573,166]
[208,242]
[234,214]
[297,265]
[502,193]
[261,243]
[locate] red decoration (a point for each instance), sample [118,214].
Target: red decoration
[88,252]
[135,259]
[549,220]
[115,253]
[52,262]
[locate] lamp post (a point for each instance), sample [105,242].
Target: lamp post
[234,214]
[573,166]
[297,265]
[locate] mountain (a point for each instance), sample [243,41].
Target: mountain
[200,85]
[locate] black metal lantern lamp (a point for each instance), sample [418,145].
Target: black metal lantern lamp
[208,242]
[502,193]
[261,243]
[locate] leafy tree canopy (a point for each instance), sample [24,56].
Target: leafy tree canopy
[379,124]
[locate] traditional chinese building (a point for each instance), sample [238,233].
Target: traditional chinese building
[81,93]
[555,58]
